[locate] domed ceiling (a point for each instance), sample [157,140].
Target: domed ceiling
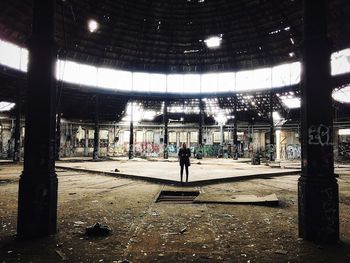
[169,36]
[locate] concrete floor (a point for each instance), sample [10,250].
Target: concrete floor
[146,231]
[205,171]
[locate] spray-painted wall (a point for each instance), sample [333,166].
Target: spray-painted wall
[287,144]
[77,140]
[343,147]
[7,140]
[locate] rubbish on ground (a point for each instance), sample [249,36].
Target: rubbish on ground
[183,230]
[61,254]
[98,230]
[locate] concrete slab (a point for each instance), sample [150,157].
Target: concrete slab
[206,171]
[208,198]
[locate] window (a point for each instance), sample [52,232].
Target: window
[209,83]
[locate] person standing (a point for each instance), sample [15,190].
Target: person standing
[184,159]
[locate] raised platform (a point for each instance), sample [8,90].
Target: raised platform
[206,171]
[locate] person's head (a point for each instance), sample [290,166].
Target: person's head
[184,145]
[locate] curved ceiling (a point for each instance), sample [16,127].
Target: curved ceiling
[168,36]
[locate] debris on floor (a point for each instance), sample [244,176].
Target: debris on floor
[98,230]
[269,200]
[281,252]
[62,255]
[183,230]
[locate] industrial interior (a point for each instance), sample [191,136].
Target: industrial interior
[97,99]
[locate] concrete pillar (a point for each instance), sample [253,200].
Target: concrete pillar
[278,144]
[96,151]
[131,138]
[86,146]
[336,142]
[17,146]
[165,132]
[37,200]
[58,134]
[272,133]
[200,122]
[222,134]
[317,186]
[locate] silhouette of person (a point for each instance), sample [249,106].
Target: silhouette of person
[184,159]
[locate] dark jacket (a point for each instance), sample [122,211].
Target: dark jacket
[184,156]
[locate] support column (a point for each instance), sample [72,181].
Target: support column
[165,122]
[336,142]
[17,146]
[235,129]
[222,134]
[201,123]
[37,200]
[131,138]
[272,132]
[278,144]
[317,187]
[86,146]
[58,133]
[96,151]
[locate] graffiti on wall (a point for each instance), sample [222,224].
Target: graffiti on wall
[292,151]
[320,135]
[172,148]
[211,150]
[144,149]
[344,149]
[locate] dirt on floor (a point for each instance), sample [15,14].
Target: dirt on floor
[146,231]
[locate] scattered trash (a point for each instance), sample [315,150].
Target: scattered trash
[183,230]
[59,244]
[98,230]
[154,213]
[9,252]
[281,252]
[61,254]
[79,223]
[94,201]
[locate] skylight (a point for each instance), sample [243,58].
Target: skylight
[92,25]
[17,57]
[213,42]
[290,102]
[138,113]
[276,116]
[344,132]
[342,95]
[6,106]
